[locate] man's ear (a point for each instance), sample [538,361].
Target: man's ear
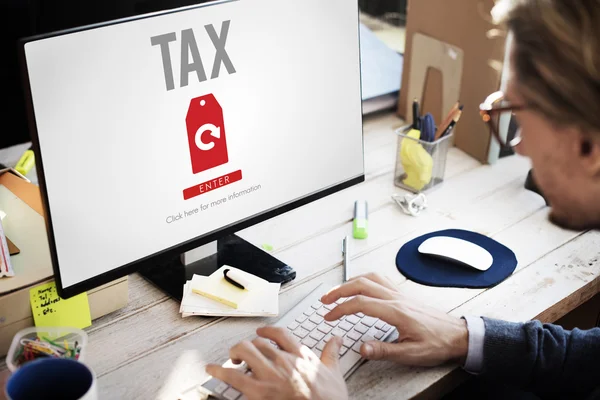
[589,153]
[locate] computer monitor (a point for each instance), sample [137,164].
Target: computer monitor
[34,17]
[164,134]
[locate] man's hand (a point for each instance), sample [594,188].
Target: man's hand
[291,372]
[427,337]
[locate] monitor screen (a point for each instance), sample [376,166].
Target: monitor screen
[157,131]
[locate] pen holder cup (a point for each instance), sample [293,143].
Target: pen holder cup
[39,342]
[420,165]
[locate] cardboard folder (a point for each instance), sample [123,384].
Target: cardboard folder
[465,25]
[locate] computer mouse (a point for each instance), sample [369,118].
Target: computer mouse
[457,250]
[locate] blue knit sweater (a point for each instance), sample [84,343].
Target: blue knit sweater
[545,359]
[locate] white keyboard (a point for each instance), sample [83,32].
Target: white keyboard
[306,324]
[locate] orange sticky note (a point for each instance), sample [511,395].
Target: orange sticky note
[50,310]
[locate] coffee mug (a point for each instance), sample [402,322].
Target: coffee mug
[52,378]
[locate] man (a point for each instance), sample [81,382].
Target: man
[554,93]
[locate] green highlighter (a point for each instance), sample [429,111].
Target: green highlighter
[360,223]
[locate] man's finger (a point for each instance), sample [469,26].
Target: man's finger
[359,286]
[281,337]
[376,350]
[382,309]
[256,361]
[240,381]
[330,356]
[266,348]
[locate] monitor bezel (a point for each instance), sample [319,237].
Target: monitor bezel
[173,251]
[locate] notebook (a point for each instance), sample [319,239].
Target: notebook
[213,296]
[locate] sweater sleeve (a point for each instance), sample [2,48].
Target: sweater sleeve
[542,358]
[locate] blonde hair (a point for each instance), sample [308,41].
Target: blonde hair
[556,57]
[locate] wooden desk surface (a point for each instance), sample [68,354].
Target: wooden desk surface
[147,350]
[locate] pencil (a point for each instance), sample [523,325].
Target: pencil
[446,122]
[450,127]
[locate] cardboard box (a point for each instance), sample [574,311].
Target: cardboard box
[25,227]
[466,25]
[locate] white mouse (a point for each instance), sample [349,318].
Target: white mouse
[458,250]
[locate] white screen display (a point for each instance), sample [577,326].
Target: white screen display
[158,130]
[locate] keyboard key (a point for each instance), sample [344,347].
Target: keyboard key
[361,328]
[360,315]
[323,327]
[357,346]
[379,324]
[309,312]
[309,326]
[330,306]
[301,318]
[368,321]
[231,394]
[345,326]
[343,350]
[322,311]
[292,326]
[353,319]
[316,319]
[221,387]
[349,360]
[318,335]
[320,345]
[317,352]
[348,342]
[367,338]
[379,335]
[309,342]
[338,332]
[386,327]
[333,323]
[327,337]
[340,301]
[354,335]
[317,305]
[301,332]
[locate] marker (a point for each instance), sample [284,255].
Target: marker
[236,279]
[359,225]
[26,162]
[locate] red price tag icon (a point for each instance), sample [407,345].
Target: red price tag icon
[206,133]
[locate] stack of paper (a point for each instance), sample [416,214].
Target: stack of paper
[260,300]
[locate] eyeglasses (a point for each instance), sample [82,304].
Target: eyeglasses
[492,111]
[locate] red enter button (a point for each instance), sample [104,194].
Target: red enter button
[213,184]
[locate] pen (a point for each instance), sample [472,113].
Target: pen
[415,114]
[345,253]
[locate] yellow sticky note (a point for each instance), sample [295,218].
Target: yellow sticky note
[50,310]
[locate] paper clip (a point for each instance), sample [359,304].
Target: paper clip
[412,205]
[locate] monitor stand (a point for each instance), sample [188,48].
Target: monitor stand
[170,276]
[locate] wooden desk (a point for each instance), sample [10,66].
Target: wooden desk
[147,350]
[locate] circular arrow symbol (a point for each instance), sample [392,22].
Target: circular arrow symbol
[214,132]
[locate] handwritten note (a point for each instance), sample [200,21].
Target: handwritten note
[50,310]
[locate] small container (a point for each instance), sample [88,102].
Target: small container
[38,342]
[420,165]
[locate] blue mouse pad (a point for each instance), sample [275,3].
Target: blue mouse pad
[432,271]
